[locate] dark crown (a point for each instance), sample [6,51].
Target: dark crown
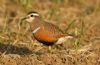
[32,12]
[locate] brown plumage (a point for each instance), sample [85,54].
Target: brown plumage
[45,32]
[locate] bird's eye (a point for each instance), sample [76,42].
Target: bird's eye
[31,15]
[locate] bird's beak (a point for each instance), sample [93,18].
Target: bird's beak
[24,18]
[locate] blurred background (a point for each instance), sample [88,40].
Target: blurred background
[77,17]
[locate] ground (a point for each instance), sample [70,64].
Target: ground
[77,17]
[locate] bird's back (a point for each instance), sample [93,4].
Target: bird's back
[53,30]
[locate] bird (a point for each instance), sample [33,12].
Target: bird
[45,32]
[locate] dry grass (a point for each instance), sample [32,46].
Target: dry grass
[77,17]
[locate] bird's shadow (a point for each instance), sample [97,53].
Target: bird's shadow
[11,49]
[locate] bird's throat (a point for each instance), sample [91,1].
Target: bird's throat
[37,22]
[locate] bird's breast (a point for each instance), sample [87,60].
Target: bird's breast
[42,35]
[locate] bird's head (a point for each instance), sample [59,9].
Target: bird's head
[31,16]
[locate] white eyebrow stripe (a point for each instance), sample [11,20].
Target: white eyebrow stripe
[35,14]
[37,29]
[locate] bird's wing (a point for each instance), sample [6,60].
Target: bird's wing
[52,30]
